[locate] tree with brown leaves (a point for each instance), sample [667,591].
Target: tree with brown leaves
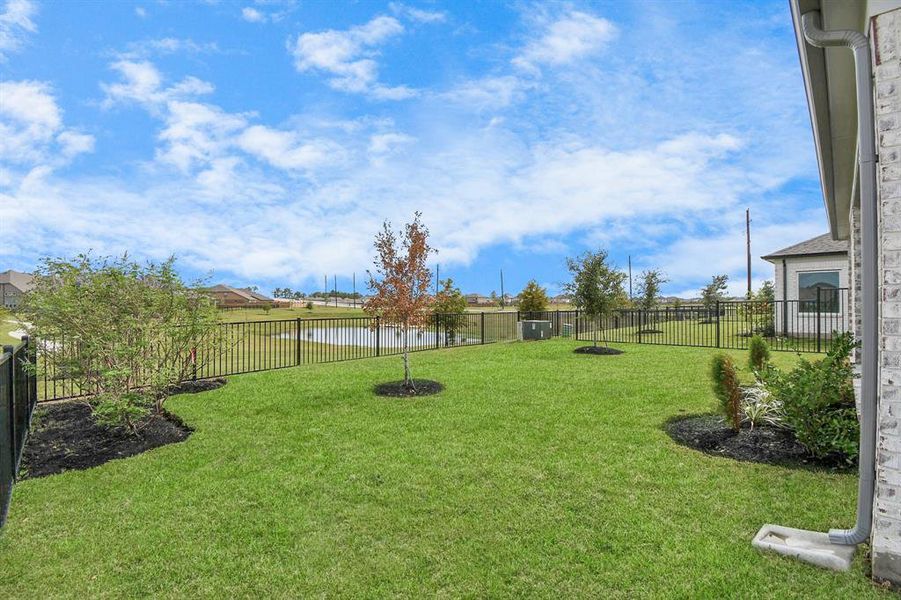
[400,287]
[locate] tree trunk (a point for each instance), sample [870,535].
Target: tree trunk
[408,379]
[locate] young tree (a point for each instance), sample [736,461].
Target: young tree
[713,292]
[449,308]
[596,288]
[533,297]
[649,288]
[400,292]
[123,332]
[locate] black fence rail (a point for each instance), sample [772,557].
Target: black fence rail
[18,396]
[246,347]
[787,325]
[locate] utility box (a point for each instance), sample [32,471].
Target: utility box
[536,330]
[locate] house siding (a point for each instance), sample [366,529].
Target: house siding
[886,538]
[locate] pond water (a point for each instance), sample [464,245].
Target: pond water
[388,337]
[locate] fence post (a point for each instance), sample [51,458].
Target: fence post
[437,329]
[819,324]
[11,408]
[483,327]
[297,356]
[717,323]
[640,321]
[378,334]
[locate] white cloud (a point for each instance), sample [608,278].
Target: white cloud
[570,37]
[144,49]
[488,93]
[386,142]
[283,149]
[142,83]
[417,14]
[31,127]
[15,25]
[141,12]
[348,57]
[252,15]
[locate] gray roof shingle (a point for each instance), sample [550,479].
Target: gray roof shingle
[822,244]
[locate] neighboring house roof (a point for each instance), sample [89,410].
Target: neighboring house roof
[21,281]
[258,296]
[818,246]
[245,293]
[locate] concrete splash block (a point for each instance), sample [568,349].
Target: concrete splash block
[811,547]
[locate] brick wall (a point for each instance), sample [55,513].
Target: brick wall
[886,541]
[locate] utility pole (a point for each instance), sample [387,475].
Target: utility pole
[748,246]
[437,277]
[336,289]
[503,303]
[325,290]
[355,288]
[630,277]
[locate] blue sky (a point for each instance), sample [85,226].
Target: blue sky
[264,141]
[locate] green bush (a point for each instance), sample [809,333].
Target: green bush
[818,401]
[725,386]
[758,354]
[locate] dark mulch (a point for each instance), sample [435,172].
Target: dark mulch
[645,331]
[65,437]
[710,434]
[397,389]
[599,350]
[201,385]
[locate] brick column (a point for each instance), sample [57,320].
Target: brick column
[886,539]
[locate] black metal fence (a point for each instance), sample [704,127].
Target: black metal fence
[790,325]
[251,346]
[18,395]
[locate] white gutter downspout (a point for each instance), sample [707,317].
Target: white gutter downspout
[869,301]
[836,550]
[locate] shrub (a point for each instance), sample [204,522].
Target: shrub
[818,401]
[759,407]
[309,305]
[758,354]
[124,332]
[725,386]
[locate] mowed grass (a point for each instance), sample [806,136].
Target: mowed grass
[536,473]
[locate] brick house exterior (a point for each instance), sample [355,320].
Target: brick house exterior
[12,285]
[829,76]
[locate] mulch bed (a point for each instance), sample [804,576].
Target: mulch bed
[397,389]
[201,385]
[65,436]
[770,445]
[599,350]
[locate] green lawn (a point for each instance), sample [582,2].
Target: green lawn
[536,473]
[258,314]
[5,327]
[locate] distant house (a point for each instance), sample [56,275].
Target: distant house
[227,296]
[478,300]
[812,278]
[12,285]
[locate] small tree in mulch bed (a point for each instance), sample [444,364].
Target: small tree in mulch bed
[400,286]
[649,293]
[123,332]
[597,290]
[726,387]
